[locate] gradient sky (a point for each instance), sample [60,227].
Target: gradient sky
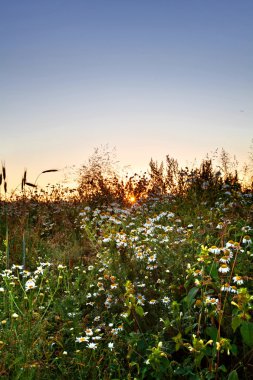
[150,78]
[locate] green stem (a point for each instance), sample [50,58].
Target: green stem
[7,248]
[23,251]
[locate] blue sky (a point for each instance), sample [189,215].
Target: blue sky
[147,77]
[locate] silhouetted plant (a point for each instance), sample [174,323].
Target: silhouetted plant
[98,181]
[157,185]
[172,173]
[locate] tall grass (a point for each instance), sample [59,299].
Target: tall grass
[149,277]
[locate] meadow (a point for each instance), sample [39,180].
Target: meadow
[146,278]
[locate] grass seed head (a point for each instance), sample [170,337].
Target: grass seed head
[4,171]
[24,177]
[30,184]
[50,171]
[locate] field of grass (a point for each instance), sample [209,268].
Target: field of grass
[150,281]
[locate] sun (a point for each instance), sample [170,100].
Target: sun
[131,199]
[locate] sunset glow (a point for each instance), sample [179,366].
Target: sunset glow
[132,199]
[148,78]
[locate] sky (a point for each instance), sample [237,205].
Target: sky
[148,78]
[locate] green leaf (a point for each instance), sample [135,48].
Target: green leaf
[191,294]
[178,340]
[214,272]
[177,347]
[223,368]
[212,332]
[247,333]
[236,322]
[139,310]
[233,375]
[234,349]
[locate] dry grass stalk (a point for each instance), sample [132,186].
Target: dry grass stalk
[50,171]
[4,171]
[30,184]
[24,177]
[23,182]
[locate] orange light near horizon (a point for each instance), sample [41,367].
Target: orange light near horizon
[132,199]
